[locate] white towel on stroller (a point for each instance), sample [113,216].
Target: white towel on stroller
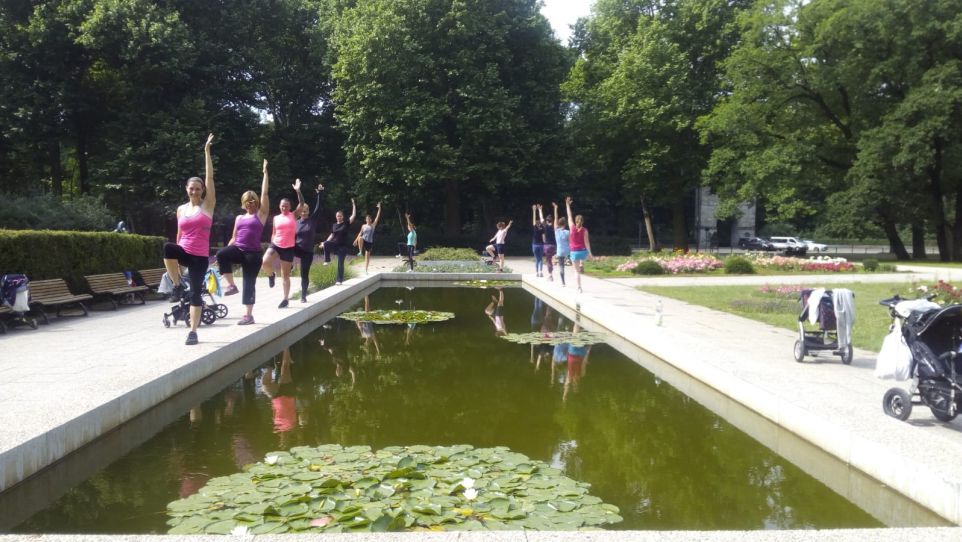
[844,302]
[813,300]
[166,285]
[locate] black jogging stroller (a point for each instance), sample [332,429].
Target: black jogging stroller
[825,338]
[934,338]
[180,310]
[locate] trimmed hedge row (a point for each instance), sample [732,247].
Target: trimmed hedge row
[49,254]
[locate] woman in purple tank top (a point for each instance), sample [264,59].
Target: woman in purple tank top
[244,247]
[192,248]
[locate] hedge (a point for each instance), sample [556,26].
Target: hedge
[49,254]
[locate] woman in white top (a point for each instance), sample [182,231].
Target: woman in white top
[496,248]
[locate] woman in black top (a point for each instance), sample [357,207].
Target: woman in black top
[549,247]
[304,237]
[537,239]
[337,241]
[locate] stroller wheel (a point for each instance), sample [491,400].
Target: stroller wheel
[166,321]
[897,403]
[942,415]
[220,310]
[799,351]
[847,355]
[208,316]
[32,323]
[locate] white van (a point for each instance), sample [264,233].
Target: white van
[790,245]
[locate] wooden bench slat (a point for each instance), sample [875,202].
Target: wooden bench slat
[114,285]
[55,293]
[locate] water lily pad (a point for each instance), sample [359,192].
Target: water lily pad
[397,317]
[332,489]
[581,338]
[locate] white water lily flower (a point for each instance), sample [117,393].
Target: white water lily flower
[399,301]
[271,459]
[470,493]
[467,483]
[240,530]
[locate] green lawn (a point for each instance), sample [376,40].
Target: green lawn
[871,319]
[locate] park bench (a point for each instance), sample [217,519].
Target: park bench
[114,287]
[151,277]
[54,293]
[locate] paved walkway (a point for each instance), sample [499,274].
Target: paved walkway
[65,383]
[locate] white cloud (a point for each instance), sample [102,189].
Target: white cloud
[564,13]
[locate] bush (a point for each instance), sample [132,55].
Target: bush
[887,268]
[648,267]
[323,276]
[737,265]
[870,264]
[82,213]
[70,255]
[448,253]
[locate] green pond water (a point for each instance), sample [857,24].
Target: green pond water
[662,458]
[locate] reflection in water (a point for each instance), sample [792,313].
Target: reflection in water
[667,462]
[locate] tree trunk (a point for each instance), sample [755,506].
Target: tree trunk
[56,171]
[935,190]
[452,209]
[918,241]
[83,165]
[649,229]
[679,225]
[895,242]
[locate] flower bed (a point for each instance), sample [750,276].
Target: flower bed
[677,262]
[821,264]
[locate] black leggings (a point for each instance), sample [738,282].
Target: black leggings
[250,262]
[411,256]
[306,257]
[196,269]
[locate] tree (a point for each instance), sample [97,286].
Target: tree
[826,98]
[648,70]
[447,100]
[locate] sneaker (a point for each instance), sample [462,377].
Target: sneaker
[325,263]
[359,253]
[270,280]
[283,304]
[191,338]
[303,299]
[338,283]
[231,290]
[176,293]
[246,320]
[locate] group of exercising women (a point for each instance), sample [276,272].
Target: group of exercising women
[292,236]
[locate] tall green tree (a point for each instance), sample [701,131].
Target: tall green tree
[648,69]
[447,101]
[844,109]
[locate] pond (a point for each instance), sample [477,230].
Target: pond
[664,459]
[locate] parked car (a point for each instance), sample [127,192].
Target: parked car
[754,243]
[791,246]
[813,246]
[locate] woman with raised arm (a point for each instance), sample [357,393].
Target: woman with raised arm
[578,241]
[366,236]
[192,248]
[244,247]
[412,241]
[496,248]
[561,234]
[550,246]
[337,241]
[281,248]
[306,229]
[537,240]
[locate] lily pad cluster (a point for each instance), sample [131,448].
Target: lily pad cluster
[481,283]
[581,338]
[397,316]
[440,488]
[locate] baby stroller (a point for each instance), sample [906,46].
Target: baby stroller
[934,336]
[15,294]
[180,311]
[833,312]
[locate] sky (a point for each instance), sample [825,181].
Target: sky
[562,13]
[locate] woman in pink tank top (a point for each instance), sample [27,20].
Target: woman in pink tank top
[578,241]
[282,247]
[192,248]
